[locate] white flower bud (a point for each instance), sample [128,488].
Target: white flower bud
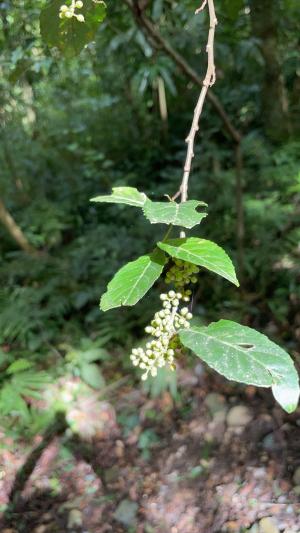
[79,4]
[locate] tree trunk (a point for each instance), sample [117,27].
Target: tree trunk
[15,231]
[265,15]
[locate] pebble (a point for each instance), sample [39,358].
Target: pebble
[269,442]
[238,416]
[74,519]
[41,529]
[296,490]
[296,476]
[268,525]
[126,513]
[215,403]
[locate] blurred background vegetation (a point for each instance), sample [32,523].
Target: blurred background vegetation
[118,114]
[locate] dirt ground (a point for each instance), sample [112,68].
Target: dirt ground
[223,458]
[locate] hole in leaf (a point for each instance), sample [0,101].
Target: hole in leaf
[247,346]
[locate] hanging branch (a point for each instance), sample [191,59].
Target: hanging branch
[155,38]
[208,81]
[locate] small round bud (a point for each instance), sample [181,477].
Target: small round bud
[80,18]
[189,316]
[64,8]
[148,329]
[172,294]
[79,4]
[153,372]
[144,377]
[68,14]
[184,311]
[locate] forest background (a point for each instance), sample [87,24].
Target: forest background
[118,114]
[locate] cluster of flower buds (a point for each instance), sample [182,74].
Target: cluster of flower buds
[181,274]
[164,327]
[70,11]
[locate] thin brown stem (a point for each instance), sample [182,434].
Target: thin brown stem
[208,81]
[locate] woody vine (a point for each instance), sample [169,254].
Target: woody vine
[237,352]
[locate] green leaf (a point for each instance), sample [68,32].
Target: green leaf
[92,375]
[242,354]
[202,253]
[70,35]
[11,403]
[133,280]
[18,366]
[123,195]
[184,214]
[96,354]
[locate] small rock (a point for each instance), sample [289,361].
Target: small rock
[296,490]
[41,529]
[215,403]
[296,476]
[268,525]
[238,416]
[269,443]
[74,518]
[126,513]
[111,475]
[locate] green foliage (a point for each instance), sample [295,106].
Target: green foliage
[166,380]
[70,128]
[202,253]
[183,214]
[82,361]
[237,352]
[19,384]
[123,195]
[242,354]
[132,282]
[70,35]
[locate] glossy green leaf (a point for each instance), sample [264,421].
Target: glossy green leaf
[92,375]
[123,195]
[69,35]
[242,354]
[184,214]
[133,280]
[202,253]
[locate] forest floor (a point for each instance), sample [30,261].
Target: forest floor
[223,458]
